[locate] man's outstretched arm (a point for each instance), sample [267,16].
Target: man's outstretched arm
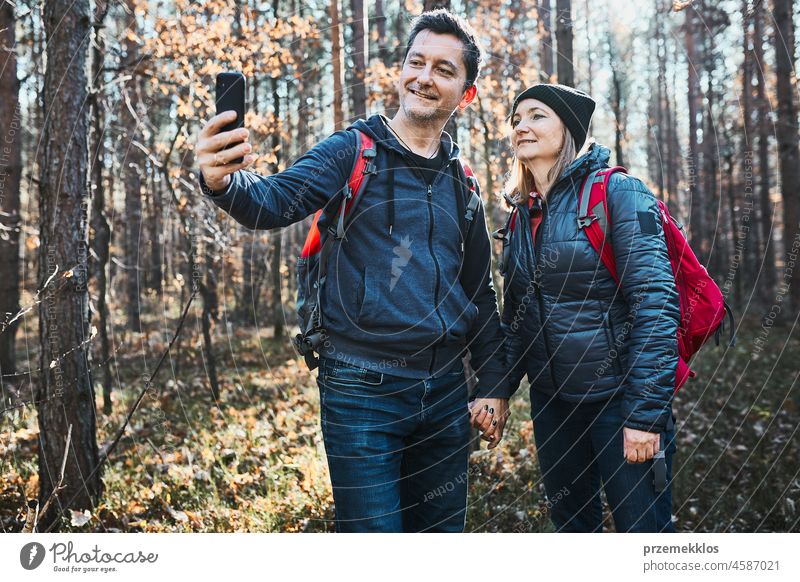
[265,202]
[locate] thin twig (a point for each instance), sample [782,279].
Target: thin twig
[32,516]
[4,325]
[108,449]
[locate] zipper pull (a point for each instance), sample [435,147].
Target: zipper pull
[430,191]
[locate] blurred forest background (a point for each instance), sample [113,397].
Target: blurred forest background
[107,246]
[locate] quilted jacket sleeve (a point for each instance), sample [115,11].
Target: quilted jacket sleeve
[511,323]
[648,286]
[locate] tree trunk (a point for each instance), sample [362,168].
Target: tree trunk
[133,169]
[766,207]
[380,27]
[155,241]
[336,59]
[617,107]
[736,242]
[544,31]
[358,89]
[697,214]
[208,291]
[673,146]
[275,258]
[658,112]
[710,155]
[101,232]
[566,70]
[747,247]
[786,131]
[65,396]
[589,43]
[10,175]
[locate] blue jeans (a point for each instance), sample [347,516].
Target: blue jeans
[397,448]
[580,449]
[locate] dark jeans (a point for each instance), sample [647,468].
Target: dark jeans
[580,449]
[397,448]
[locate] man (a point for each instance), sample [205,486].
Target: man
[406,291]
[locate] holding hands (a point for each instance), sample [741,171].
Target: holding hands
[489,416]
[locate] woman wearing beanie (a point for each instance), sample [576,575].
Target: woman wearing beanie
[600,357]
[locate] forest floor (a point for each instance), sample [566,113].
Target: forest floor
[254,460]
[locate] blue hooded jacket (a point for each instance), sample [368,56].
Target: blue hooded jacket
[401,297]
[569,327]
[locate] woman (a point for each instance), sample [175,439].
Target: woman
[600,358]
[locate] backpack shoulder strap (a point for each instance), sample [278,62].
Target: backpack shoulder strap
[504,234]
[473,204]
[594,217]
[363,167]
[475,197]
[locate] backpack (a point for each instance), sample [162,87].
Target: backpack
[703,308]
[312,265]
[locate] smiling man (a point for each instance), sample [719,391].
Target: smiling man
[408,290]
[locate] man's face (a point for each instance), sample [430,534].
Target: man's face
[433,77]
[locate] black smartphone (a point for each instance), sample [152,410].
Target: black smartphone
[231,97]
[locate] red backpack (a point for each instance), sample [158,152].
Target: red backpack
[703,308]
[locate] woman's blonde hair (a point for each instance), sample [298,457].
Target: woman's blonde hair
[520,182]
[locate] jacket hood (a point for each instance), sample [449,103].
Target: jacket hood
[376,127]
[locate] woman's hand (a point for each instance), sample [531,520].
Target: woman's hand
[489,415]
[639,445]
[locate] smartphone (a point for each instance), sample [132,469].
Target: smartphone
[231,97]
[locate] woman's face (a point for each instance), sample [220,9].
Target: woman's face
[537,132]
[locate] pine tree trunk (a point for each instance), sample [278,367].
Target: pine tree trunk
[544,31]
[710,153]
[133,170]
[275,256]
[566,70]
[65,395]
[786,131]
[101,232]
[619,122]
[697,214]
[11,131]
[766,207]
[358,89]
[336,59]
[380,27]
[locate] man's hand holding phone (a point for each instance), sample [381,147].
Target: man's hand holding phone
[216,162]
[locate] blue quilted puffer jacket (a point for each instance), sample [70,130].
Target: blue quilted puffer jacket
[568,326]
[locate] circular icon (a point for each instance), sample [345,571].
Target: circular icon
[31,555]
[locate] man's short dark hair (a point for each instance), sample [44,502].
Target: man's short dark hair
[443,21]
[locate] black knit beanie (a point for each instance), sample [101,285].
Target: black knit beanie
[574,107]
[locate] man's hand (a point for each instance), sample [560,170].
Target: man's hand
[639,445]
[489,415]
[214,161]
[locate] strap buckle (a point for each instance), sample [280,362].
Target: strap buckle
[369,154]
[337,232]
[584,221]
